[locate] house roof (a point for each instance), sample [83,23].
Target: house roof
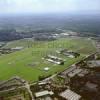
[91,86]
[43,93]
[93,63]
[74,72]
[11,83]
[70,95]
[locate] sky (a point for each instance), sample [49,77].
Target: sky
[48,6]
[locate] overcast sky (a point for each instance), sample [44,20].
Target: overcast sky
[48,6]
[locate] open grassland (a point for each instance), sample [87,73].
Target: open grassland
[28,63]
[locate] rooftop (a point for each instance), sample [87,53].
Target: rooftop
[43,93]
[93,63]
[70,95]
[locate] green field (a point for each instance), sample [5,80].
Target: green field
[28,63]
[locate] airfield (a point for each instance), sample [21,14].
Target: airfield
[29,63]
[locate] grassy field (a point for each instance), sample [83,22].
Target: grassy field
[28,63]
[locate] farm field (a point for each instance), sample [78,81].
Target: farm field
[29,63]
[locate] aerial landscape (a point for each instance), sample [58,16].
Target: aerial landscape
[49,50]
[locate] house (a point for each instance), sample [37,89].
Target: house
[43,94]
[74,72]
[5,50]
[68,53]
[12,83]
[54,59]
[93,64]
[83,73]
[10,89]
[91,86]
[17,48]
[70,95]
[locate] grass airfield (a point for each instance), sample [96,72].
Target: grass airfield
[29,63]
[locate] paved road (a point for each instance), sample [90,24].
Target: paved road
[27,86]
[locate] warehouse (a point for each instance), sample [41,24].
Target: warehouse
[70,95]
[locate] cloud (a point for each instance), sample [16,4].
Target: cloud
[42,6]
